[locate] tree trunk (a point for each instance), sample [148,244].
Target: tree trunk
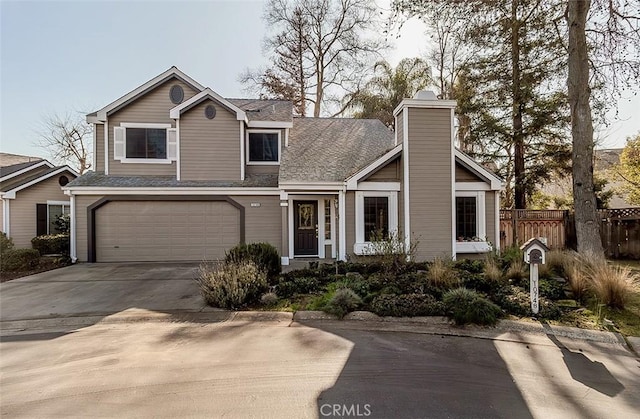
[520,201]
[584,197]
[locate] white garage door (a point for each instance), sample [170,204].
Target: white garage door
[136,231]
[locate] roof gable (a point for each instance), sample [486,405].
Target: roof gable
[474,167]
[206,94]
[173,72]
[9,189]
[14,170]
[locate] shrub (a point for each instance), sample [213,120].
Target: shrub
[263,255]
[510,255]
[480,282]
[51,244]
[289,286]
[231,285]
[407,305]
[611,284]
[442,274]
[6,243]
[517,301]
[342,302]
[551,289]
[471,266]
[19,260]
[466,306]
[492,271]
[269,299]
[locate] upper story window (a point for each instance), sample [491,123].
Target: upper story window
[144,143]
[263,147]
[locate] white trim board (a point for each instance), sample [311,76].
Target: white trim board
[11,194]
[469,163]
[89,190]
[205,94]
[352,181]
[26,170]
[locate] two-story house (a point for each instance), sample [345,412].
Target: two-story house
[183,174]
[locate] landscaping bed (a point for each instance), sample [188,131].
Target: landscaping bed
[574,291]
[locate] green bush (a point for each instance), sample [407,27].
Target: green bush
[517,301]
[467,306]
[289,286]
[407,305]
[263,255]
[19,260]
[480,282]
[269,299]
[471,266]
[551,288]
[231,285]
[342,302]
[51,244]
[6,243]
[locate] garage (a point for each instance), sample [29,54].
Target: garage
[147,231]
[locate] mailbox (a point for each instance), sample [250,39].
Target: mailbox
[534,251]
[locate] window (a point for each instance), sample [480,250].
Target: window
[146,143]
[376,217]
[54,213]
[327,219]
[471,222]
[264,147]
[466,223]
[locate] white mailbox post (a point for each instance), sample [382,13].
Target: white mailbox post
[535,252]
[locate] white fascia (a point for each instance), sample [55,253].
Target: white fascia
[352,181]
[101,115]
[311,186]
[88,190]
[270,124]
[405,171]
[495,182]
[420,103]
[26,170]
[12,193]
[207,93]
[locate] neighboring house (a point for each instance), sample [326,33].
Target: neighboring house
[183,174]
[32,197]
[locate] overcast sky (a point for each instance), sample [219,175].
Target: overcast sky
[59,57]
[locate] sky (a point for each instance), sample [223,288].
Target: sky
[61,57]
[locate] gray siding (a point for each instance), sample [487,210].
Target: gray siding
[389,172]
[209,148]
[23,209]
[465,175]
[400,127]
[153,107]
[430,181]
[82,202]
[99,129]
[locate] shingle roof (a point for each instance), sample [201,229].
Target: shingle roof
[7,186]
[7,170]
[98,179]
[332,149]
[265,110]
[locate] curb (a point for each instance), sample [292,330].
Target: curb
[512,330]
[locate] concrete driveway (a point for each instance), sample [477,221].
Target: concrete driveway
[100,290]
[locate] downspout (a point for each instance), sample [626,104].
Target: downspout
[72,227]
[6,216]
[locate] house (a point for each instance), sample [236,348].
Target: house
[183,174]
[32,197]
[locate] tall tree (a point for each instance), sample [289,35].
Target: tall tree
[388,87]
[319,49]
[68,140]
[511,85]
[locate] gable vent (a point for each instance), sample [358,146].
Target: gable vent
[176,94]
[210,112]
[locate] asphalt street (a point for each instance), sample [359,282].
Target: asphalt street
[286,369]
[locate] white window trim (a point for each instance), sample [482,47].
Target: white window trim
[143,161]
[263,131]
[481,224]
[362,246]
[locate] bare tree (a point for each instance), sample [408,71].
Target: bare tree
[319,50]
[67,139]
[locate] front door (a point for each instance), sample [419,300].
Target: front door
[305,241]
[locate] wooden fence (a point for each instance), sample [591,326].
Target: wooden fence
[518,226]
[619,229]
